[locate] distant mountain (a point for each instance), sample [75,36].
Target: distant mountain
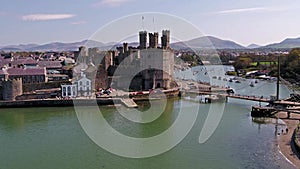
[18,47]
[207,42]
[58,46]
[253,46]
[287,43]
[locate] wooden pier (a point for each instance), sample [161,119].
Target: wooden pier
[225,94]
[286,103]
[250,98]
[129,103]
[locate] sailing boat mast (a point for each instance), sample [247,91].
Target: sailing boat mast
[278,76]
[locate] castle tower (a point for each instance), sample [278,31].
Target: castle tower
[165,39]
[143,39]
[153,40]
[12,89]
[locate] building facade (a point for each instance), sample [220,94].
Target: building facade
[81,87]
[28,75]
[84,86]
[69,90]
[159,65]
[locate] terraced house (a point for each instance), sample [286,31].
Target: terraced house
[28,75]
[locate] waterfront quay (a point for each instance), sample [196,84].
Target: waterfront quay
[59,102]
[118,97]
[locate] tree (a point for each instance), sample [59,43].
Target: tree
[242,63]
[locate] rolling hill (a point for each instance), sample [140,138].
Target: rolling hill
[253,46]
[287,43]
[207,42]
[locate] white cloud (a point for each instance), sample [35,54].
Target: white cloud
[110,3]
[44,17]
[241,10]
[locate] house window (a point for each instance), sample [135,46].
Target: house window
[64,91]
[87,82]
[69,90]
[80,83]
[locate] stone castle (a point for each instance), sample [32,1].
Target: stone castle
[145,67]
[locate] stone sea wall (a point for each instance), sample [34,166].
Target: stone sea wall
[58,102]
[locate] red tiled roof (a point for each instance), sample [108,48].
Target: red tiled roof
[26,71]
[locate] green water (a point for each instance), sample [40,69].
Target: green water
[47,138]
[36,138]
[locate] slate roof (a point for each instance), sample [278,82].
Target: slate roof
[3,72]
[26,71]
[50,64]
[26,61]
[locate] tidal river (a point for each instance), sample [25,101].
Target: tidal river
[47,138]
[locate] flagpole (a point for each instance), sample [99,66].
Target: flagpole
[143,23]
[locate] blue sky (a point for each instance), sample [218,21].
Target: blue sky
[244,21]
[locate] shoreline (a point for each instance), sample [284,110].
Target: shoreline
[285,143]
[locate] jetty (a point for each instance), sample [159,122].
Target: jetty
[228,93]
[129,103]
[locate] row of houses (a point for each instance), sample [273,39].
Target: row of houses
[28,75]
[30,70]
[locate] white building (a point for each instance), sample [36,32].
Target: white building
[84,86]
[81,87]
[69,90]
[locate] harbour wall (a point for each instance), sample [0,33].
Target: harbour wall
[59,102]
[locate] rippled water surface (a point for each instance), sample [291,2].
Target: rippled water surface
[35,138]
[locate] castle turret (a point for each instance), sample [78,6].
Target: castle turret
[143,39]
[153,40]
[165,39]
[12,89]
